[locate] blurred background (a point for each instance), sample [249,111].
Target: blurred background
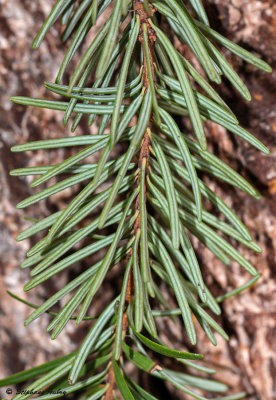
[248,361]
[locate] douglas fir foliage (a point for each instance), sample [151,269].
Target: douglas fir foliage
[132,83]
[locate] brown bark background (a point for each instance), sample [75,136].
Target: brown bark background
[248,361]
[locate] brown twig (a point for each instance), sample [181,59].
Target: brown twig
[111,381]
[144,154]
[144,19]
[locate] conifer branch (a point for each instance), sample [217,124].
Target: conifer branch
[131,82]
